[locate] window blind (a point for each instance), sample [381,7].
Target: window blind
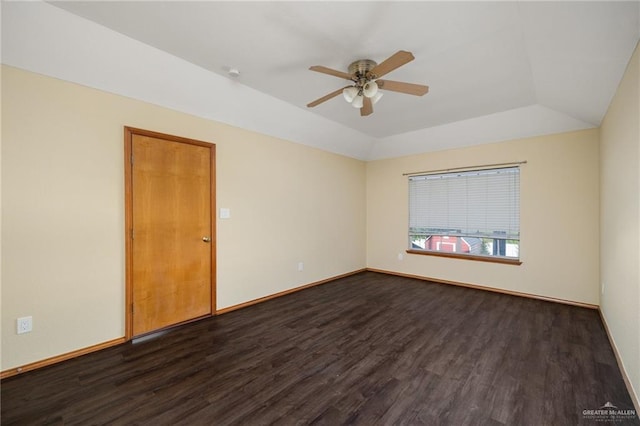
[477,203]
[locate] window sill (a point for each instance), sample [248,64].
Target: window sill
[467,257]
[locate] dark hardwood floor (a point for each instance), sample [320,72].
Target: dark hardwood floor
[370,349]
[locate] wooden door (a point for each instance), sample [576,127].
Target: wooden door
[170,270]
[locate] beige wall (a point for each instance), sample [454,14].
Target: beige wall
[63,212]
[620,219]
[559,217]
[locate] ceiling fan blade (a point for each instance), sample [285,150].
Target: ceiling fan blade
[367,107]
[399,86]
[396,60]
[326,97]
[325,70]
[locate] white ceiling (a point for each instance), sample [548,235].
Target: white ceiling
[495,69]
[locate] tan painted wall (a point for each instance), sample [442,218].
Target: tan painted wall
[63,212]
[559,217]
[620,219]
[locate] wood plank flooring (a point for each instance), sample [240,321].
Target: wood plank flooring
[370,349]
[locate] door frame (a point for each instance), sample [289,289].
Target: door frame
[129,132]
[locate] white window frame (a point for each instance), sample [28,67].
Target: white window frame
[480,203]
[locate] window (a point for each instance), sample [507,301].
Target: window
[474,213]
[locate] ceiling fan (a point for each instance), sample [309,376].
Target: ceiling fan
[365,75]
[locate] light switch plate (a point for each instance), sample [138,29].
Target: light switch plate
[225,213]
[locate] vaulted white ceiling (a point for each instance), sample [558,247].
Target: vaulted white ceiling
[496,70]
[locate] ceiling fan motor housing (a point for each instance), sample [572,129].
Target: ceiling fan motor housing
[361,67]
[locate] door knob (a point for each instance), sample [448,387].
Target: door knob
[206,239]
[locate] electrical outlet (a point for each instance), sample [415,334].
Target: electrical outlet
[400,256]
[24,325]
[300,266]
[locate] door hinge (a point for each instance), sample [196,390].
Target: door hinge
[132,234]
[131,158]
